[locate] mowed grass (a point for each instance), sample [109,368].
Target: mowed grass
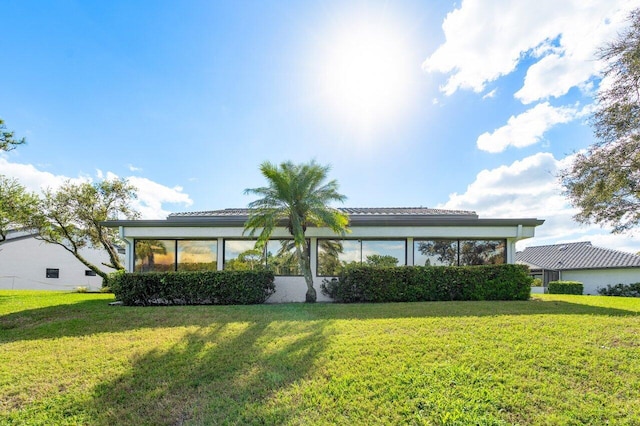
[71,359]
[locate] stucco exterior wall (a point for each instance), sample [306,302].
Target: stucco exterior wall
[597,278]
[24,262]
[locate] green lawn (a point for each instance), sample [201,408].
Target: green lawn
[72,359]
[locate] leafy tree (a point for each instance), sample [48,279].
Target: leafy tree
[16,206]
[329,252]
[604,182]
[446,251]
[7,141]
[481,252]
[296,197]
[381,261]
[71,218]
[248,260]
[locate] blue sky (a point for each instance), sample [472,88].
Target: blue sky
[468,105]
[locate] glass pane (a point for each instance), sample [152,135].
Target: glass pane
[241,255]
[384,253]
[282,258]
[155,255]
[333,255]
[197,255]
[435,252]
[482,252]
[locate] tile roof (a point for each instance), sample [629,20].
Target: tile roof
[580,255]
[368,211]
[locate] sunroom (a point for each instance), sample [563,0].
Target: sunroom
[215,240]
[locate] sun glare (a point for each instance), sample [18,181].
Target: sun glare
[366,75]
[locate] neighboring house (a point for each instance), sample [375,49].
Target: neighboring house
[216,240]
[27,263]
[595,267]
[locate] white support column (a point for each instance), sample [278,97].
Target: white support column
[313,253]
[511,250]
[410,251]
[220,255]
[130,261]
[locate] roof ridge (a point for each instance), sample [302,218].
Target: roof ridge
[349,210]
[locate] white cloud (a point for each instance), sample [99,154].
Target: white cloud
[491,94]
[152,196]
[33,179]
[530,188]
[487,39]
[133,168]
[527,128]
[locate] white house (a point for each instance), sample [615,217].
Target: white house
[216,240]
[595,267]
[27,263]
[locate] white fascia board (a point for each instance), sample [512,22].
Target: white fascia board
[356,232]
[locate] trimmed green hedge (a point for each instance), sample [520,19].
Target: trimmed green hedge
[622,290]
[429,283]
[193,288]
[565,287]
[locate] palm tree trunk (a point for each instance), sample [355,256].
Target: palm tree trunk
[304,259]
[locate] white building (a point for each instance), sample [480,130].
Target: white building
[402,236]
[27,263]
[594,267]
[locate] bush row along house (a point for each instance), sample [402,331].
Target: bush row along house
[595,267]
[215,240]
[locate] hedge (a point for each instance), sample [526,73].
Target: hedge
[429,283]
[623,290]
[193,288]
[565,287]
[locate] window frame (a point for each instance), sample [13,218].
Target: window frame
[264,252]
[360,240]
[458,241]
[52,273]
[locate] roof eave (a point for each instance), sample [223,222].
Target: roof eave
[354,220]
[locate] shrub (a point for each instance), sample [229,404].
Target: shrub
[537,282]
[565,287]
[81,289]
[429,283]
[193,288]
[623,290]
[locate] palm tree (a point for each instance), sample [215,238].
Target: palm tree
[296,197]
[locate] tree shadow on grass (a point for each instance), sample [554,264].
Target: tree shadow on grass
[95,316]
[221,374]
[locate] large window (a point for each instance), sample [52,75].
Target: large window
[435,252]
[197,255]
[281,257]
[278,256]
[333,255]
[458,252]
[155,255]
[241,255]
[482,252]
[175,255]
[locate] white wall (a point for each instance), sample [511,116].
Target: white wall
[24,262]
[596,278]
